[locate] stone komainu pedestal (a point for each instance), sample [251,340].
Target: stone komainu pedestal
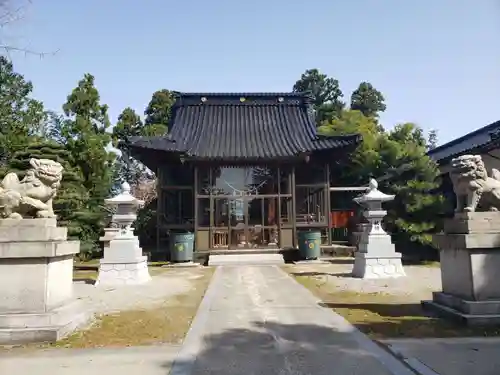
[470,264]
[36,275]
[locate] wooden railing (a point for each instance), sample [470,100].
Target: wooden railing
[220,238]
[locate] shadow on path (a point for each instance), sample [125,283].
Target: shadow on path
[270,348]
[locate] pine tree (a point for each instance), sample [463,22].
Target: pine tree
[325,92]
[21,116]
[415,213]
[368,100]
[416,210]
[432,139]
[84,131]
[158,113]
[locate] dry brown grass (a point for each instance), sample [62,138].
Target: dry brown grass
[84,275]
[167,323]
[382,315]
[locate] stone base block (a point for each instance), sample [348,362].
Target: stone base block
[448,241]
[471,273]
[123,273]
[473,222]
[488,307]
[122,249]
[377,267]
[246,259]
[28,230]
[38,276]
[109,235]
[469,313]
[17,329]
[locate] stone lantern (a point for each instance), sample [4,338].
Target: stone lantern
[126,206]
[123,262]
[376,256]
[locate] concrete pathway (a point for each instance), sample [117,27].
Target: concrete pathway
[124,361]
[252,321]
[259,321]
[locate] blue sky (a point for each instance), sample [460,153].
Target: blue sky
[436,61]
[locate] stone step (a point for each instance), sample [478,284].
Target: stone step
[38,249]
[246,259]
[50,326]
[242,250]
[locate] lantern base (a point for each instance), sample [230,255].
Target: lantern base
[123,273]
[368,266]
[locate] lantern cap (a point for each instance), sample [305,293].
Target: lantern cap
[125,197]
[373,194]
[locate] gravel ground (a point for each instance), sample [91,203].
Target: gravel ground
[420,281]
[166,284]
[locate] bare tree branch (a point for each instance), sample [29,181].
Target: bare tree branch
[10,14]
[8,49]
[145,190]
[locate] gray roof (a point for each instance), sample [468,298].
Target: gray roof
[473,141]
[242,127]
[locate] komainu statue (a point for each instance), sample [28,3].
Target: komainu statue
[474,189]
[32,196]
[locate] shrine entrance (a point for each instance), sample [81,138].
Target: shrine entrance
[251,223]
[244,216]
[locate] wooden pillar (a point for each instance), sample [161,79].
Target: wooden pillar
[211,205]
[159,201]
[328,203]
[278,227]
[196,203]
[294,216]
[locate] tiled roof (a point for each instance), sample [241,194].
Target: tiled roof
[467,143]
[242,127]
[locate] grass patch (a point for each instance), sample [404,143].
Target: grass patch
[166,323]
[421,263]
[383,316]
[86,276]
[158,264]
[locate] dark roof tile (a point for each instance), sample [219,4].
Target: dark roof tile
[243,126]
[473,141]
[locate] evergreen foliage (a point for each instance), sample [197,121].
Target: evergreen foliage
[415,212]
[83,130]
[21,116]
